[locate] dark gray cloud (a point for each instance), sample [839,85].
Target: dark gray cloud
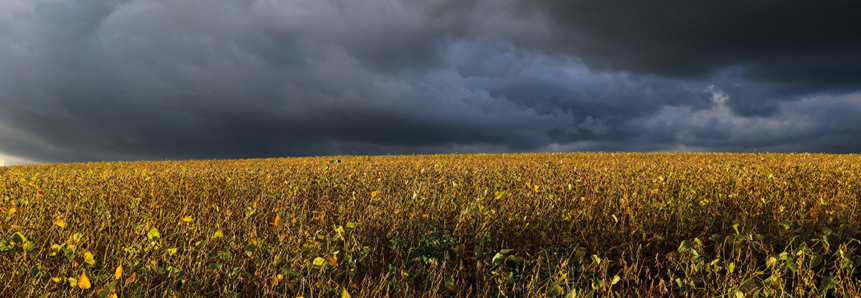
[685,38]
[799,46]
[154,79]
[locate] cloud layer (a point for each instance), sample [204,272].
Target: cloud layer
[153,79]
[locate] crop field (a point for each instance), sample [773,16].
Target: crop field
[486,225]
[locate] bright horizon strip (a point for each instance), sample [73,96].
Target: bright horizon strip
[6,160]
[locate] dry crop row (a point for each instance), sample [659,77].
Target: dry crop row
[513,225]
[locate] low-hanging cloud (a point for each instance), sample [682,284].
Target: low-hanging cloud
[153,79]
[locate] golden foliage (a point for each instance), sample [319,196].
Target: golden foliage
[433,216]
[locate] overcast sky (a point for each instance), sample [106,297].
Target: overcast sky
[198,79]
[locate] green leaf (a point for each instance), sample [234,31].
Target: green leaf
[29,246]
[826,283]
[215,266]
[250,249]
[288,271]
[791,265]
[580,254]
[459,251]
[153,233]
[498,258]
[685,246]
[506,251]
[515,259]
[555,289]
[18,238]
[36,269]
[224,255]
[69,251]
[106,290]
[774,278]
[750,285]
[771,262]
[815,261]
[5,246]
[351,226]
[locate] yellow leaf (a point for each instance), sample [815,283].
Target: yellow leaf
[187,218]
[60,223]
[119,272]
[83,281]
[88,258]
[318,262]
[112,295]
[153,233]
[277,221]
[74,239]
[344,293]
[217,234]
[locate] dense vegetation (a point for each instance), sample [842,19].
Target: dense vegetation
[520,225]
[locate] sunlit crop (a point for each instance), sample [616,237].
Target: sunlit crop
[513,225]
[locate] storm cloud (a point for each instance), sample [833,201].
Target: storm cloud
[155,79]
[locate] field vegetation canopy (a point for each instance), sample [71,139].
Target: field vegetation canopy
[511,225]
